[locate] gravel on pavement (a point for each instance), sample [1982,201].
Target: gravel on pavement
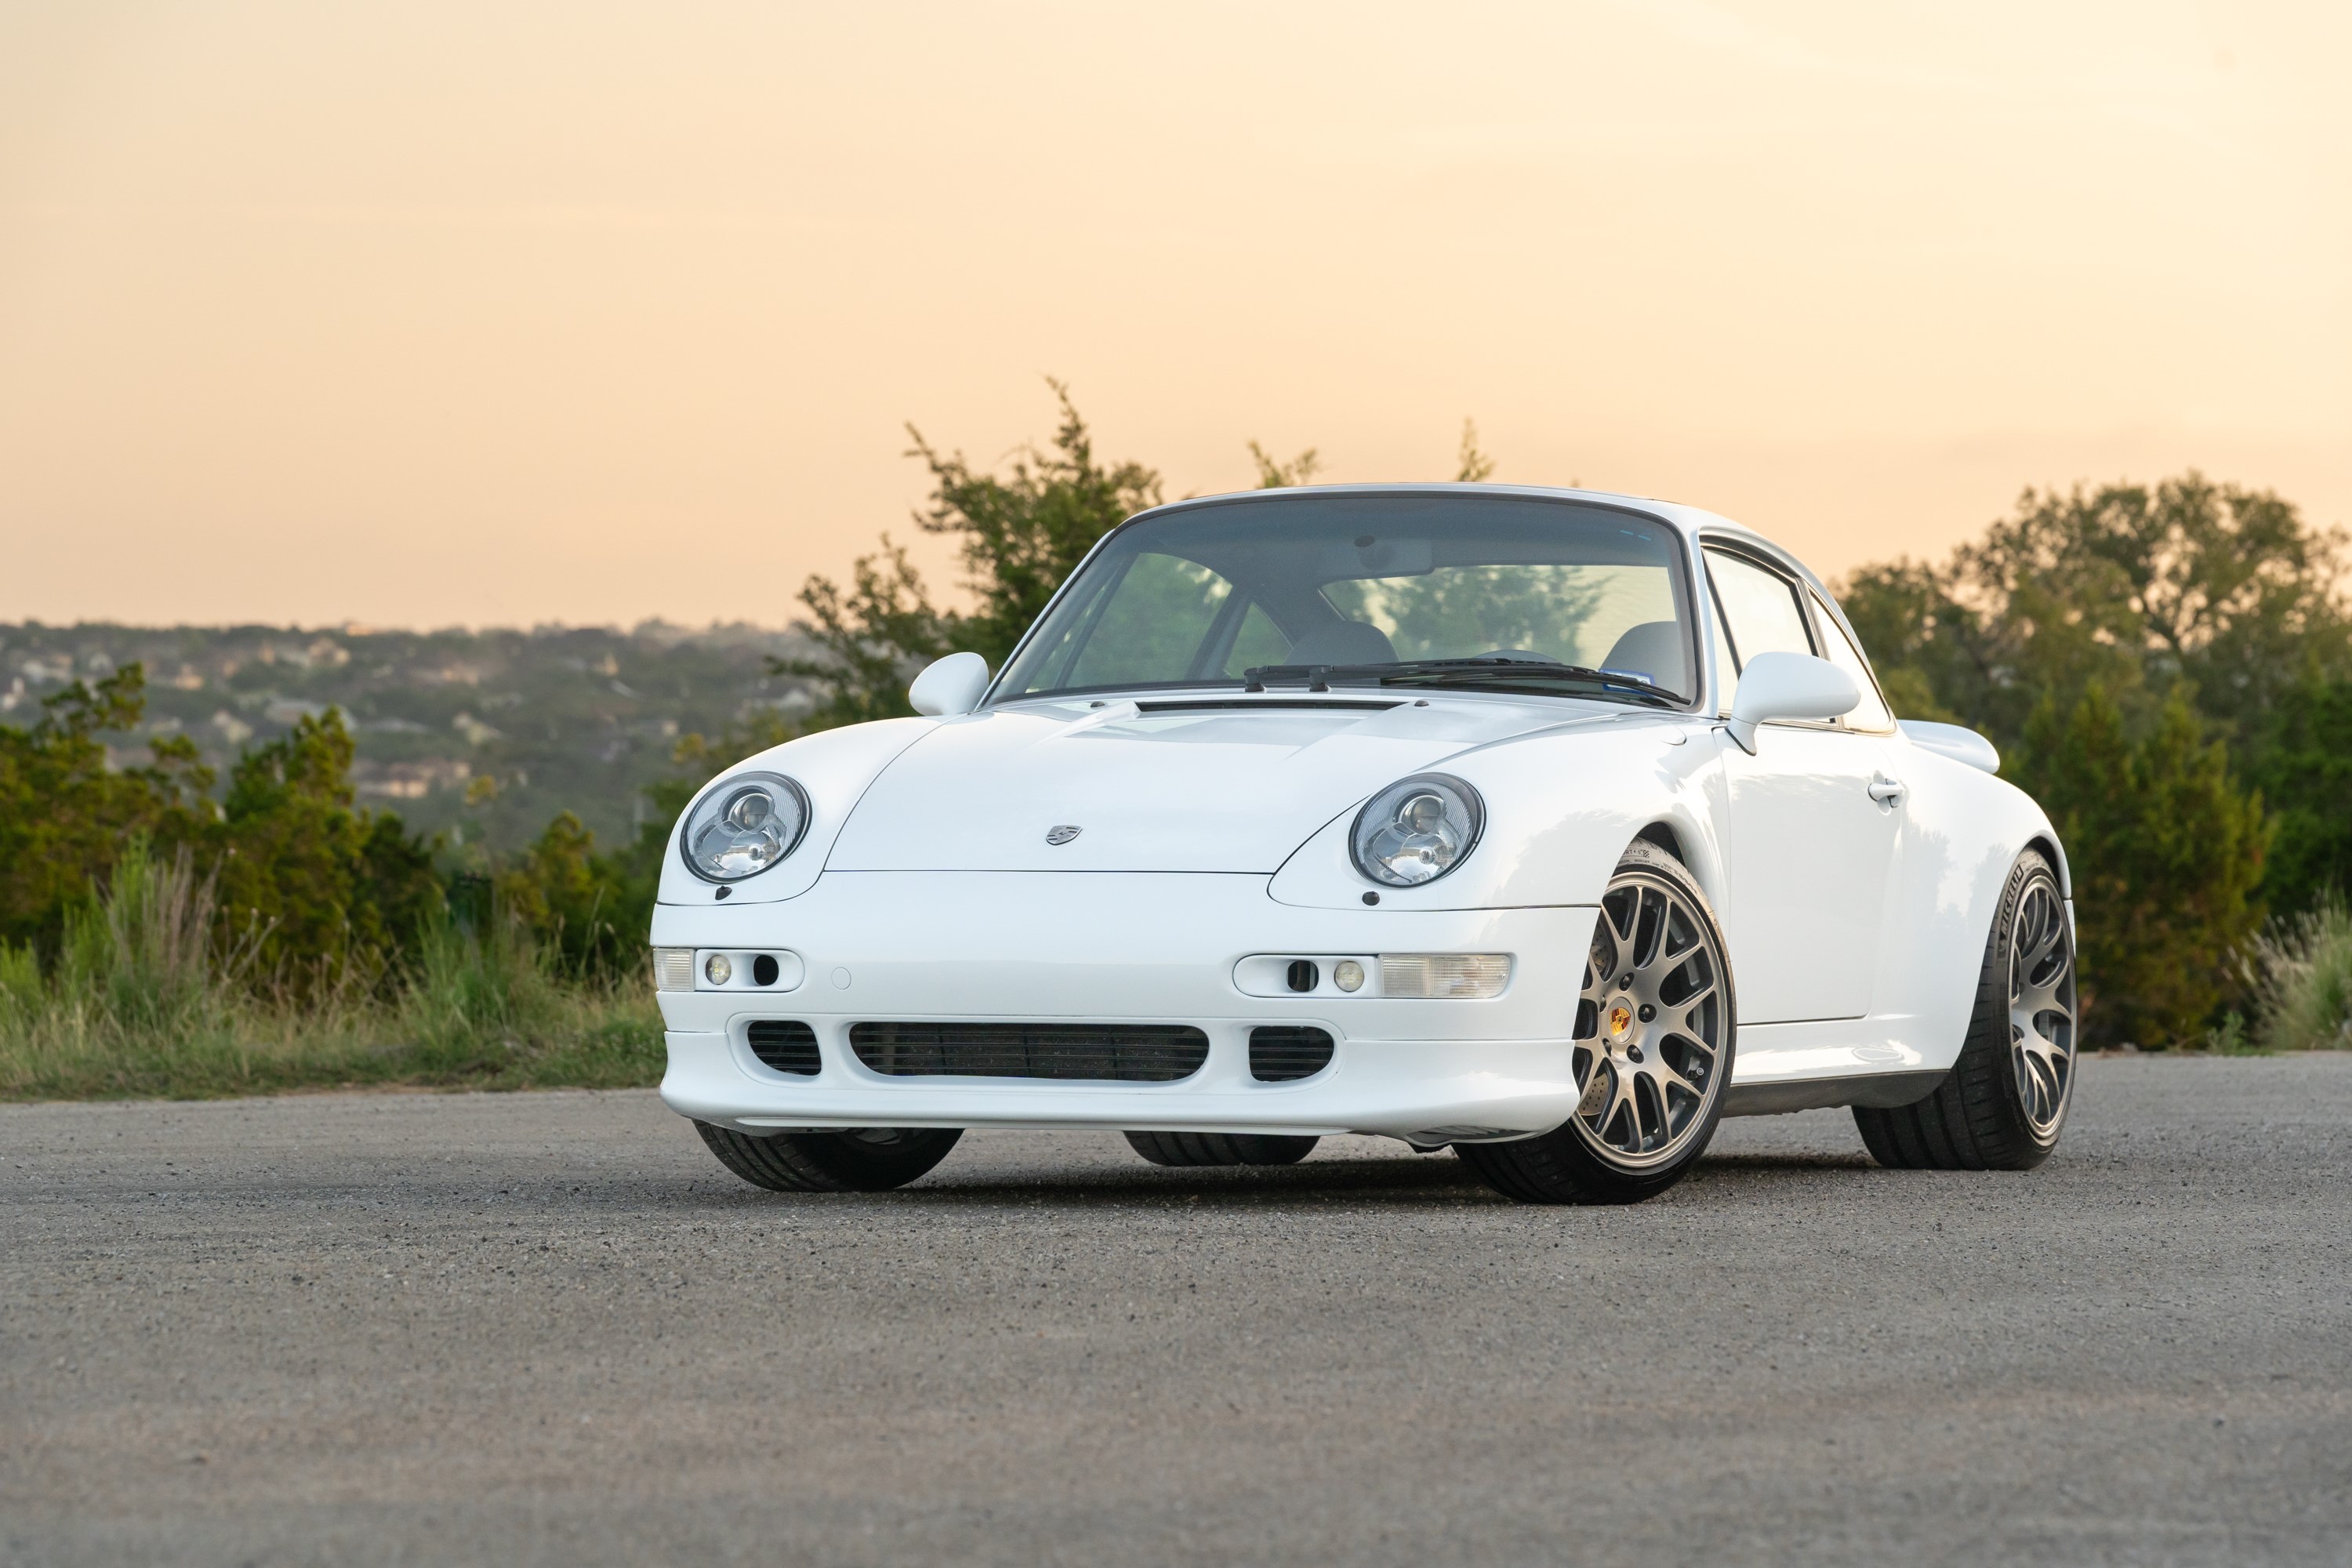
[550,1329]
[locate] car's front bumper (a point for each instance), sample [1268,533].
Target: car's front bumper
[1124,948]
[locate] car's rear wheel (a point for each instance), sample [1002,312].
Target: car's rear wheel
[859,1160]
[2004,1102]
[1221,1148]
[1650,1051]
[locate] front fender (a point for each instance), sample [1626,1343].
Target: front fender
[1562,806]
[834,766]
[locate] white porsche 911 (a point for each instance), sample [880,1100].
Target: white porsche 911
[1545,826]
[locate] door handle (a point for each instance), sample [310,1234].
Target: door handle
[1886,791]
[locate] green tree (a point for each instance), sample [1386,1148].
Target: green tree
[875,635]
[322,890]
[2224,593]
[1471,465]
[1274,475]
[2233,595]
[2167,854]
[589,909]
[66,815]
[2303,764]
[1019,536]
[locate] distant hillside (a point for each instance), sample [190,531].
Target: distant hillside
[559,718]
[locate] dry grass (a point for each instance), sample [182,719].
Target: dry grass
[2303,978]
[142,1002]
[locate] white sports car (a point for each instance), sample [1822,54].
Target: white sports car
[1545,826]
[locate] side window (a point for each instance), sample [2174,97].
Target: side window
[1761,605]
[1872,714]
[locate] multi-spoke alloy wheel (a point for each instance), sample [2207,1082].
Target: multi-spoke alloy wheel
[2003,1103]
[2041,1006]
[1650,1026]
[1650,1050]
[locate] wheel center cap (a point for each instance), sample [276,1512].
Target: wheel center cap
[1621,1022]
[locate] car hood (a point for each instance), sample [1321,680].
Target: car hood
[1159,786]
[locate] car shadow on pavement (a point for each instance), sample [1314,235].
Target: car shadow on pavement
[1432,1181]
[1770,1175]
[1783,1163]
[1435,1179]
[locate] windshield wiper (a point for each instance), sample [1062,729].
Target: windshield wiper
[1483,672]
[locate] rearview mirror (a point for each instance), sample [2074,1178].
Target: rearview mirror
[950,686]
[1789,686]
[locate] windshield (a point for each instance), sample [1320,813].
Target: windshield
[1498,592]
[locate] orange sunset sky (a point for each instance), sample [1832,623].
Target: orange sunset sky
[421,314]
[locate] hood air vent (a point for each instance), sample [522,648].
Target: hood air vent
[1245,704]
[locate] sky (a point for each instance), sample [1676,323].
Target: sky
[421,314]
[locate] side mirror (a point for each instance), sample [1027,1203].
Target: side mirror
[950,686]
[1789,686]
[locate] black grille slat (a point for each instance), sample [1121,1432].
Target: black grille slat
[1282,1052]
[1117,1053]
[786,1045]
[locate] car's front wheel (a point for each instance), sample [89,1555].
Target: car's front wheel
[2004,1102]
[1651,1053]
[1221,1148]
[859,1160]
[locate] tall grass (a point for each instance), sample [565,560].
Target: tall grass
[145,998]
[2303,981]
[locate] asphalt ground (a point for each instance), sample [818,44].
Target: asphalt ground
[551,1328]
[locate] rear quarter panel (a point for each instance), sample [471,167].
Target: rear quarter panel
[1963,829]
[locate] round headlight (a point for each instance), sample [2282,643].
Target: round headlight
[1416,830]
[742,825]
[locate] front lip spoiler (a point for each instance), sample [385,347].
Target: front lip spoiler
[1383,1088]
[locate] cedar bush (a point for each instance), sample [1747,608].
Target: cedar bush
[2166,853]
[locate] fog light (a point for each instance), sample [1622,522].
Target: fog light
[717,970]
[673,969]
[1347,975]
[1451,974]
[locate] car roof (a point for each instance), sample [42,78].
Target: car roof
[1694,523]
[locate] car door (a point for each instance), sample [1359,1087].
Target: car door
[1813,828]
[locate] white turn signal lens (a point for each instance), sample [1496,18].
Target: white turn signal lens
[1463,975]
[673,969]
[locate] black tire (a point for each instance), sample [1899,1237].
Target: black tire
[1998,1108]
[862,1160]
[1223,1148]
[1692,1031]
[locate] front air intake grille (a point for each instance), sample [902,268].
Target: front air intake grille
[787,1045]
[1126,1053]
[1280,1053]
